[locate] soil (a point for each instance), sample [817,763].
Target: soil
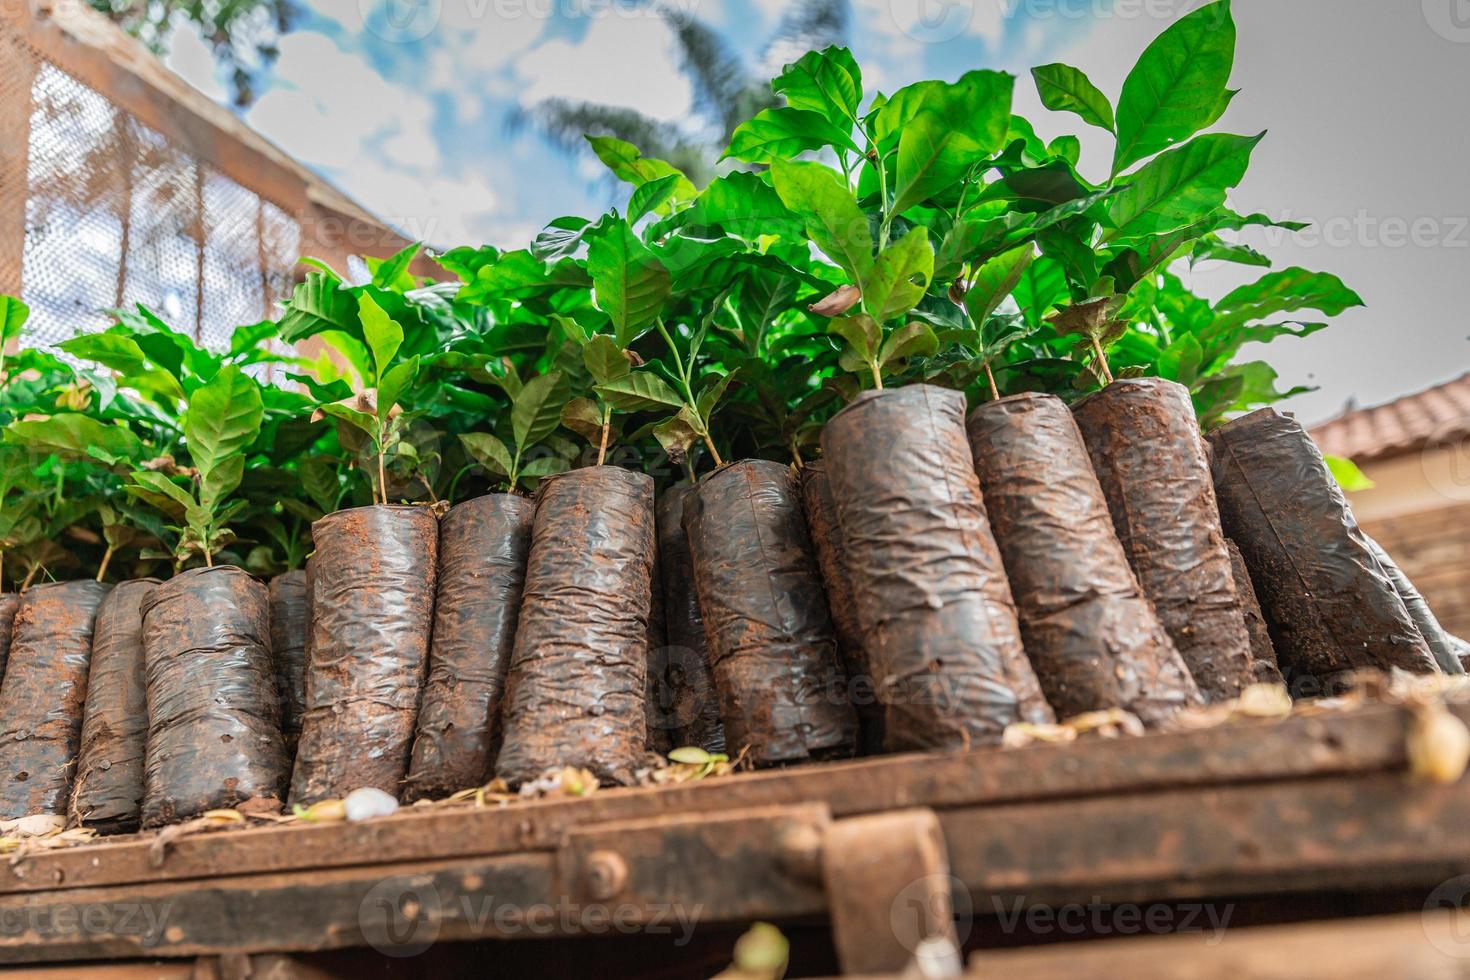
[1091,634]
[772,645]
[483,544]
[42,696]
[576,687]
[372,599]
[1150,460]
[931,591]
[214,728]
[108,795]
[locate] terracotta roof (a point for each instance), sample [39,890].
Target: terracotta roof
[1401,426]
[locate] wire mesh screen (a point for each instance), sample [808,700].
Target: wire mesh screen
[115,214]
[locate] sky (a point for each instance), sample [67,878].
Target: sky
[404,104]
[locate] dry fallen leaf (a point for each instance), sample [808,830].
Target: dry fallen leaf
[1438,745]
[837,302]
[1024,733]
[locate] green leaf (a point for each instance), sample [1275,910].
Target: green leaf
[638,392]
[318,303]
[651,195]
[913,340]
[827,81]
[392,385]
[488,451]
[536,411]
[582,416]
[13,316]
[162,493]
[994,281]
[75,436]
[900,277]
[1067,89]
[604,359]
[1176,88]
[223,419]
[781,134]
[1181,360]
[629,164]
[1285,292]
[955,127]
[365,421]
[1348,475]
[1180,187]
[710,395]
[862,333]
[629,283]
[383,334]
[826,205]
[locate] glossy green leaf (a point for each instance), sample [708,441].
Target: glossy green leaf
[1067,89]
[651,195]
[392,385]
[13,316]
[994,281]
[1180,187]
[639,391]
[1285,292]
[383,334]
[1347,474]
[911,340]
[862,333]
[223,419]
[1177,86]
[75,436]
[826,205]
[488,451]
[900,277]
[536,411]
[827,81]
[955,127]
[629,284]
[782,134]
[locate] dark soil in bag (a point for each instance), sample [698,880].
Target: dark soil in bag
[108,794]
[932,596]
[1262,652]
[826,532]
[1446,651]
[575,692]
[657,699]
[372,608]
[9,603]
[773,648]
[42,696]
[1330,605]
[290,622]
[1150,460]
[214,731]
[1090,633]
[483,545]
[690,702]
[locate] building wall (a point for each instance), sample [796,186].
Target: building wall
[1420,512]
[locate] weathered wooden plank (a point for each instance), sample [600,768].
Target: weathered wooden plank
[1336,832]
[1431,946]
[1369,740]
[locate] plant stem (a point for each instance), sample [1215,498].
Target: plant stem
[602,447]
[429,487]
[30,576]
[106,558]
[715,453]
[1102,360]
[877,376]
[382,478]
[208,558]
[990,376]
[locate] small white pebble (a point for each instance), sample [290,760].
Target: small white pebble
[367,802]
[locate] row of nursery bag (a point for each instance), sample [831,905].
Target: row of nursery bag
[929,582]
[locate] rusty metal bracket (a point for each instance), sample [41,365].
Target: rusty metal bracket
[736,866]
[889,889]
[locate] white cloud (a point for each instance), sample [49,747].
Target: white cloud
[623,60]
[443,209]
[330,108]
[189,57]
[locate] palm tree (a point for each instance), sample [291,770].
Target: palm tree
[726,91]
